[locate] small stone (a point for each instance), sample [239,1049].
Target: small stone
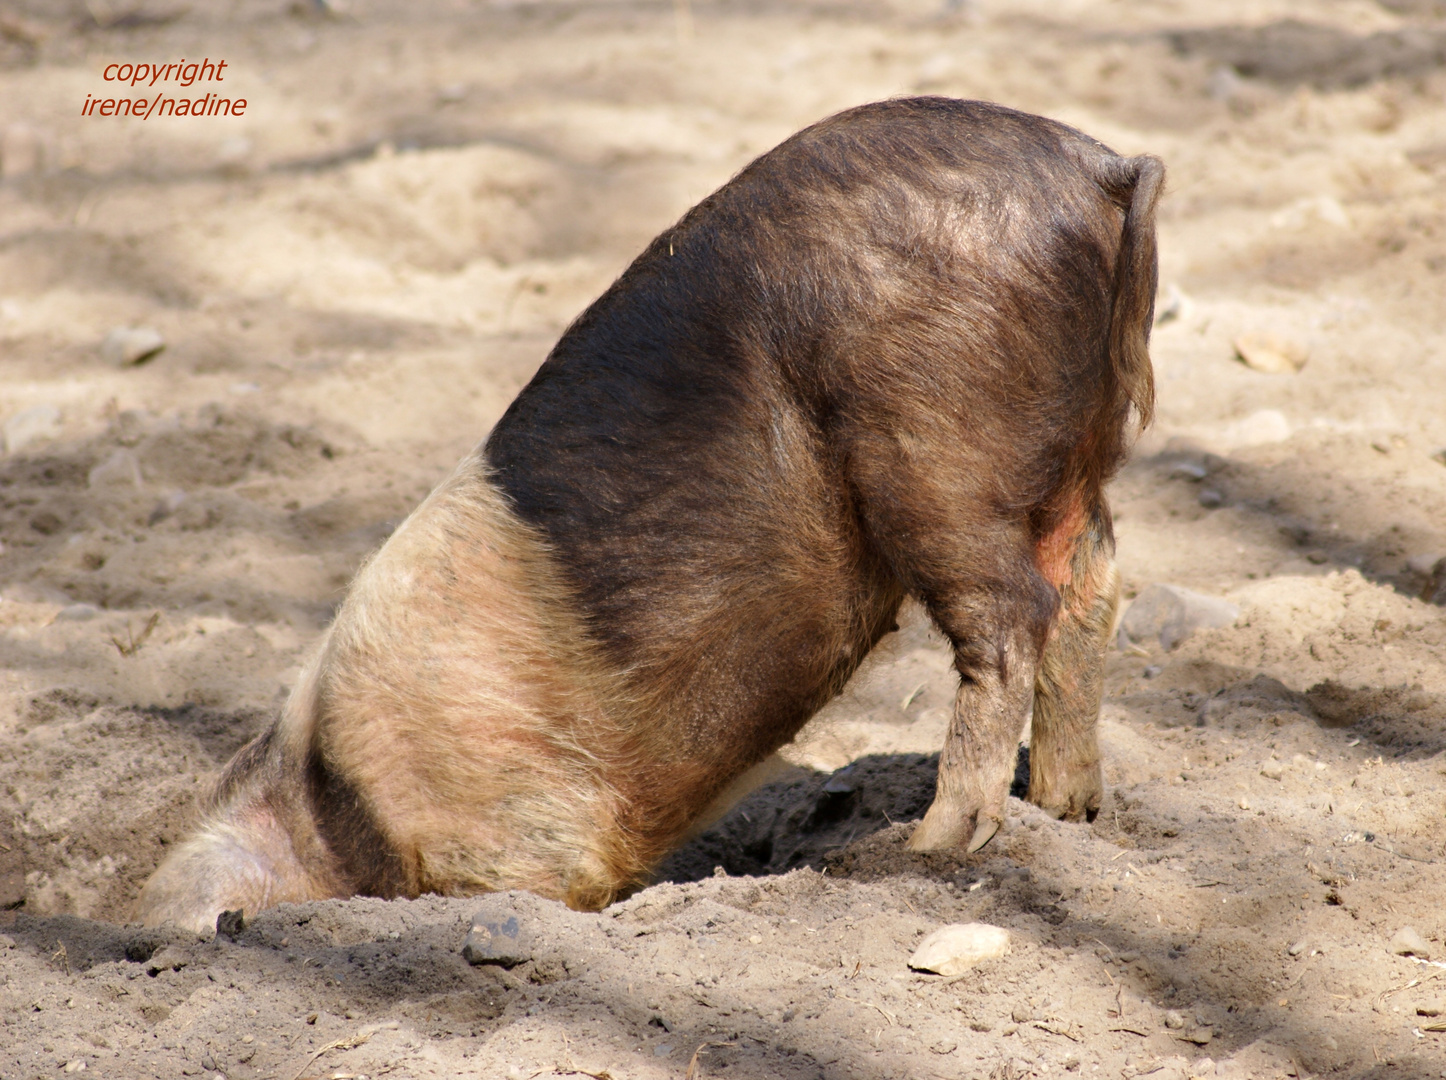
[755,939]
[1172,613]
[1021,1014]
[1261,427]
[947,1046]
[1173,305]
[1244,803]
[78,612]
[499,935]
[1427,564]
[32,425]
[1174,1020]
[662,1050]
[1431,1008]
[233,156]
[1129,956]
[121,469]
[229,924]
[1151,671]
[1272,770]
[1189,470]
[1200,1036]
[78,1065]
[1203,1067]
[954,949]
[126,346]
[46,523]
[1408,942]
[1270,353]
[165,507]
[1296,948]
[1210,498]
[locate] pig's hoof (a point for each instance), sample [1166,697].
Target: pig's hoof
[983,832]
[1076,798]
[942,831]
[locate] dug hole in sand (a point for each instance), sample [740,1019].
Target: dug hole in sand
[351,280]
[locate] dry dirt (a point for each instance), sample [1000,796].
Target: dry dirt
[353,278]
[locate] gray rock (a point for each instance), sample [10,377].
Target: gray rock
[1295,949]
[1426,564]
[168,505]
[1190,470]
[78,612]
[1210,498]
[1173,305]
[36,424]
[1171,614]
[126,346]
[229,924]
[31,592]
[1408,942]
[120,469]
[501,933]
[1174,1020]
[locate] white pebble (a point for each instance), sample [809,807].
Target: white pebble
[1408,942]
[36,424]
[954,949]
[126,346]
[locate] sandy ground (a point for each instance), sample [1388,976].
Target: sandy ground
[354,277]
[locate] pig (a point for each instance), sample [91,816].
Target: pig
[900,355]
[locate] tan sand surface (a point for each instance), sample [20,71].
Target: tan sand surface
[353,278]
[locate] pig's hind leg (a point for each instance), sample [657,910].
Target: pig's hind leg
[996,650]
[924,500]
[1064,756]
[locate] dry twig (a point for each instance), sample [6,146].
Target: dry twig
[885,1012]
[351,1042]
[693,1073]
[134,641]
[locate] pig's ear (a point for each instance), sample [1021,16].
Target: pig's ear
[244,862]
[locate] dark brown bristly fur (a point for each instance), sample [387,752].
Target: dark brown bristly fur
[895,356]
[890,357]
